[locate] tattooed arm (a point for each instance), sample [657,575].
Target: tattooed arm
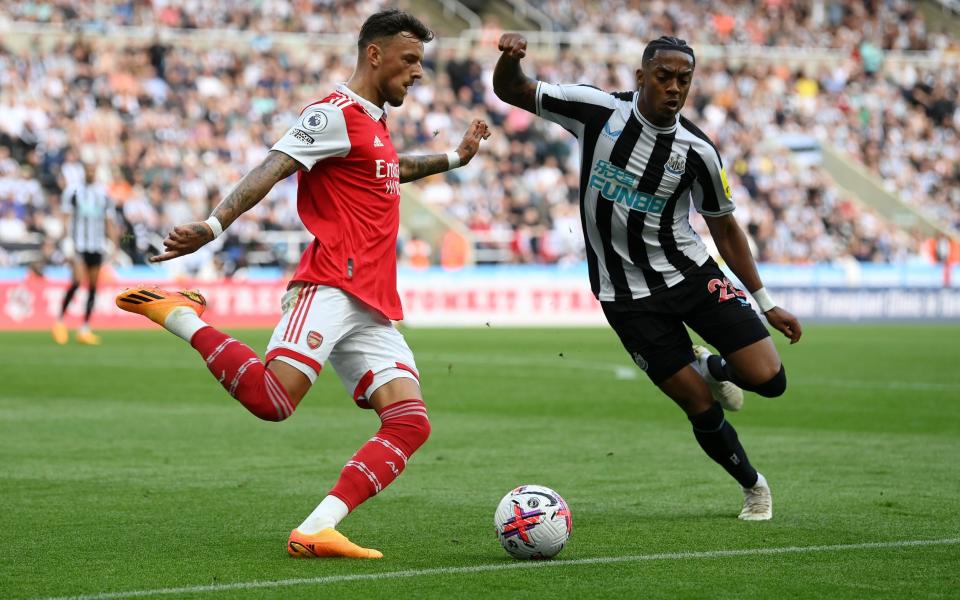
[276,167]
[413,166]
[188,238]
[416,166]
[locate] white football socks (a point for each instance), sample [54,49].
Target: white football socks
[183,322]
[327,514]
[761,480]
[696,367]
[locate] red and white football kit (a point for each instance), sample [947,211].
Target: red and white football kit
[339,307]
[343,294]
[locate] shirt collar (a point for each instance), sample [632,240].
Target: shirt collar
[646,123]
[375,112]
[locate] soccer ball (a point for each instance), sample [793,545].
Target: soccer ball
[533,521]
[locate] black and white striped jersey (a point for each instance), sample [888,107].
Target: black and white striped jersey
[636,184]
[87,208]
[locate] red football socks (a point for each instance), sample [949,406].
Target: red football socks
[241,372]
[404,428]
[404,425]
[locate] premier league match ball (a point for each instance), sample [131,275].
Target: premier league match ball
[533,522]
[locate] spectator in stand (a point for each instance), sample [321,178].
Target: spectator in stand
[175,122]
[896,24]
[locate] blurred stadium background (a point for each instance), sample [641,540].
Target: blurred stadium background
[838,122]
[126,472]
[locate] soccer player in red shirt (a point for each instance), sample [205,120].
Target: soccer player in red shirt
[342,299]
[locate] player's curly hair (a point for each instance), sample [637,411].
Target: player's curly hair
[387,23]
[667,42]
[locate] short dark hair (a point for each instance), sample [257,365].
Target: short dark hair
[668,42]
[388,23]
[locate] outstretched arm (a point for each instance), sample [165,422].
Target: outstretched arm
[254,186]
[510,84]
[416,166]
[732,243]
[188,238]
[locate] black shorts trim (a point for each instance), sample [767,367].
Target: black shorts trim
[92,259]
[653,330]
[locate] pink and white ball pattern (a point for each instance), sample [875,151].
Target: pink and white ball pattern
[533,522]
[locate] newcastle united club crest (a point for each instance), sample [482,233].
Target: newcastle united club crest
[677,164]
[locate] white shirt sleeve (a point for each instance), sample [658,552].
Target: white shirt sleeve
[321,132]
[711,191]
[570,105]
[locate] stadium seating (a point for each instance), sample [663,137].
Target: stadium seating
[894,25]
[173,126]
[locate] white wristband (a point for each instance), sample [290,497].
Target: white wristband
[764,301]
[215,225]
[453,159]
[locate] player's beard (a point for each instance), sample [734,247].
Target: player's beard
[398,98]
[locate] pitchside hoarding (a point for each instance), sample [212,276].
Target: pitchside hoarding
[504,296]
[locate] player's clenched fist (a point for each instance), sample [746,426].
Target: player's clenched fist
[513,45]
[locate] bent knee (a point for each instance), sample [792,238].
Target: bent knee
[418,430]
[421,431]
[774,386]
[271,413]
[268,402]
[409,422]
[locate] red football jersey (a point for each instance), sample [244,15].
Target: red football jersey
[350,202]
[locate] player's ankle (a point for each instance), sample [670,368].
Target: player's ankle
[183,322]
[326,516]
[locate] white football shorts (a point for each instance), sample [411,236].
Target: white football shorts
[321,322]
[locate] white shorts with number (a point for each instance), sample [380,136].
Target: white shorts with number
[321,322]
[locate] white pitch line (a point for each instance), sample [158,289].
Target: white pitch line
[251,585]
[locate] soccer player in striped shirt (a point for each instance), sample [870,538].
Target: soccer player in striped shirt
[641,166]
[342,299]
[91,222]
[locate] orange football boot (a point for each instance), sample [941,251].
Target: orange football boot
[60,333]
[156,304]
[88,338]
[326,543]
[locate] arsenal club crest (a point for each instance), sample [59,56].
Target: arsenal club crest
[314,340]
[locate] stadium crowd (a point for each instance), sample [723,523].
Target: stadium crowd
[885,24]
[172,128]
[889,24]
[295,16]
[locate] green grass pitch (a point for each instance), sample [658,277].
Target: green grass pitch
[125,471]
